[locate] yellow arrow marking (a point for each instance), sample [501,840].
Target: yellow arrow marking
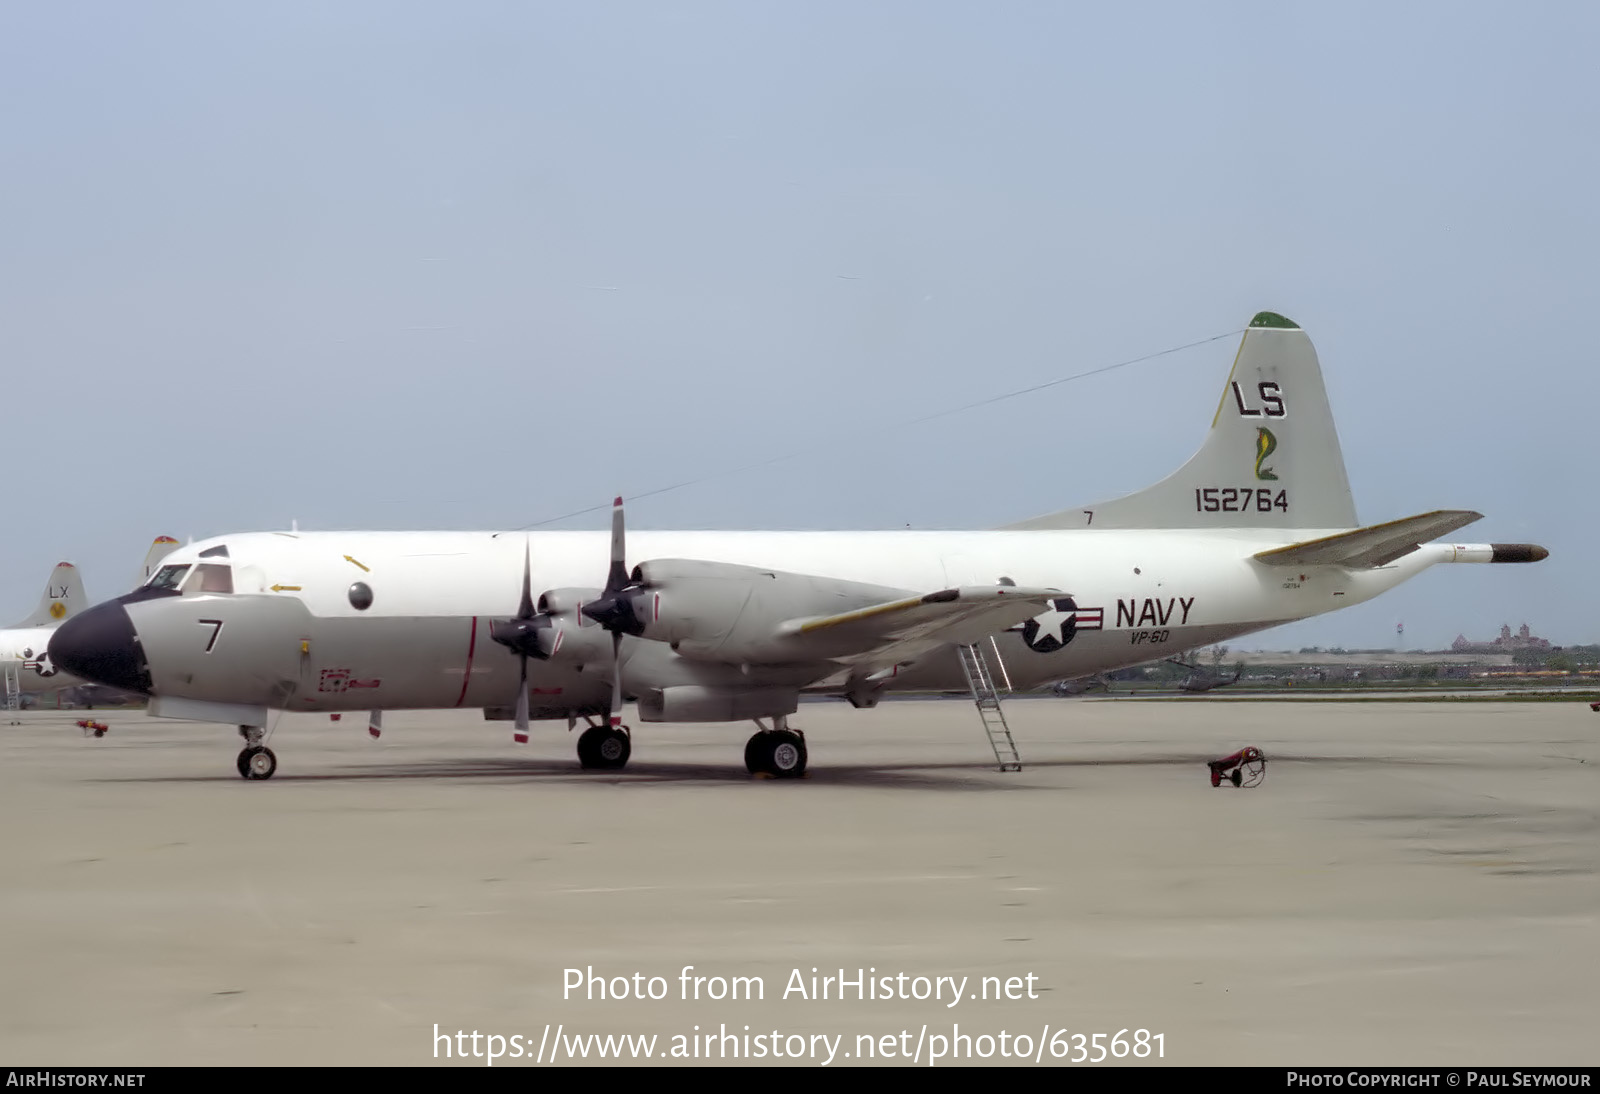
[285,588]
[352,561]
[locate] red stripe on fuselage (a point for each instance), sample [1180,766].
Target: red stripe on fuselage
[472,646]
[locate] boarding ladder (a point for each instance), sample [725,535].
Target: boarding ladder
[13,687]
[980,678]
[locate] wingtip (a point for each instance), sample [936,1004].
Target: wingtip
[616,503]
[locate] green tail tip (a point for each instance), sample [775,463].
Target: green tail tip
[1273,320]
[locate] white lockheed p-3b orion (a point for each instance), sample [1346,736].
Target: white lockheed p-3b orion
[1256,530]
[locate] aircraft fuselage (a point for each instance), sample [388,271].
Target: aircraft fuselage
[27,649]
[291,636]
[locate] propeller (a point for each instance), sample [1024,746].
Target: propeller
[521,635]
[537,630]
[614,610]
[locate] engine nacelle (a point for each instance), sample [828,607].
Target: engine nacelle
[728,612]
[677,600]
[690,703]
[566,643]
[567,601]
[571,638]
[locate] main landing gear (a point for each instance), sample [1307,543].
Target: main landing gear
[605,748]
[256,761]
[779,751]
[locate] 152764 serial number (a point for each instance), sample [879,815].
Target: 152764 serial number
[1239,499]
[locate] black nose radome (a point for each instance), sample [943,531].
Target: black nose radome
[100,645]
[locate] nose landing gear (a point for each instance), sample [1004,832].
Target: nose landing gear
[256,761]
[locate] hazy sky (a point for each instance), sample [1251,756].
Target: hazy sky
[466,265]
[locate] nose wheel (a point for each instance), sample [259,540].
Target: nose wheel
[255,761]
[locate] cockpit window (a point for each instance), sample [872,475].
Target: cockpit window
[167,577]
[219,551]
[210,577]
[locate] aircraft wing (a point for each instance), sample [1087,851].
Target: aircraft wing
[1373,546]
[899,631]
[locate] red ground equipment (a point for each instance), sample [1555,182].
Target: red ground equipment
[1246,767]
[89,726]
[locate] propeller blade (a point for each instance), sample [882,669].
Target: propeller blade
[525,609]
[618,575]
[614,610]
[616,678]
[521,733]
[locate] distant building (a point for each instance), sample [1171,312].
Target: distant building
[1506,643]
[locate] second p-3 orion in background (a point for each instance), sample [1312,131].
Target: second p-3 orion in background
[1257,529]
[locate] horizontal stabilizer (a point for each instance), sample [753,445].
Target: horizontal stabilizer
[902,630]
[1376,545]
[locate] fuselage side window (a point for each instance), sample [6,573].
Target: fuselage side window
[167,577]
[209,577]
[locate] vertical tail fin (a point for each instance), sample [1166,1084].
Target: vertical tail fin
[1271,460]
[63,597]
[160,549]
